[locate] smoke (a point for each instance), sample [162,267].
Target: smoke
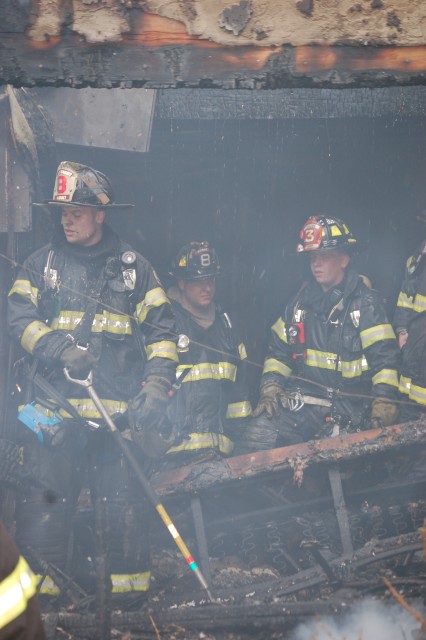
[367,620]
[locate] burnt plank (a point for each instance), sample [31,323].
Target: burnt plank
[295,457]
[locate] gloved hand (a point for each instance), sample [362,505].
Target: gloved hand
[77,360]
[383,413]
[272,398]
[148,416]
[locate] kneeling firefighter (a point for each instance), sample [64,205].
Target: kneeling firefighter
[88,302]
[332,339]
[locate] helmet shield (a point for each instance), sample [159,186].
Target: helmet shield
[322,233]
[78,185]
[196,260]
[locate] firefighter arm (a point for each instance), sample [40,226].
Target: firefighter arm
[381,351]
[405,307]
[155,320]
[25,321]
[238,406]
[278,363]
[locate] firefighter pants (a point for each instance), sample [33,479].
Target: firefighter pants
[45,514]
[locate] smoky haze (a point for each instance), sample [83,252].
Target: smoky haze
[367,620]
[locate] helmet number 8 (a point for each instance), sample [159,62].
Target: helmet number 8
[205,259]
[62,184]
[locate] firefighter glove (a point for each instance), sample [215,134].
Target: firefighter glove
[383,412]
[77,360]
[272,398]
[148,417]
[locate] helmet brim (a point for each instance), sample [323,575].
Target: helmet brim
[180,276]
[55,203]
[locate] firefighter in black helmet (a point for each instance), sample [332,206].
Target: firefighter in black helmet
[211,405]
[333,337]
[88,301]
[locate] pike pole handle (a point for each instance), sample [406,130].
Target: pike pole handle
[146,485]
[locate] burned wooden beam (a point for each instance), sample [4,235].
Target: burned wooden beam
[295,458]
[158,52]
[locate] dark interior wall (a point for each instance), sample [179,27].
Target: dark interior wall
[248,186]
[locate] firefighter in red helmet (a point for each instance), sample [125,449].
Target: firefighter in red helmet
[332,346]
[212,405]
[88,302]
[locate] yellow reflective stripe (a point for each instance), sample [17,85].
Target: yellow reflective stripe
[86,408]
[279,328]
[238,409]
[321,359]
[48,586]
[163,349]
[418,394]
[196,441]
[106,321]
[242,351]
[327,360]
[154,298]
[353,368]
[404,385]
[25,289]
[32,334]
[210,371]
[15,591]
[419,303]
[128,582]
[375,334]
[404,302]
[386,376]
[275,366]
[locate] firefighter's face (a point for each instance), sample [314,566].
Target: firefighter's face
[328,267]
[82,225]
[198,294]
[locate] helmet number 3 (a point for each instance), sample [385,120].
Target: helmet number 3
[205,259]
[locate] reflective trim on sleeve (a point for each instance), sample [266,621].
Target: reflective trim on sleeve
[86,408]
[238,409]
[404,385]
[275,366]
[48,586]
[386,376]
[15,591]
[195,441]
[280,329]
[209,371]
[242,351]
[130,582]
[419,303]
[418,394]
[26,290]
[374,334]
[32,334]
[164,349]
[404,301]
[154,298]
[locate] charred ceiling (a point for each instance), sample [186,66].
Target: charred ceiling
[252,44]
